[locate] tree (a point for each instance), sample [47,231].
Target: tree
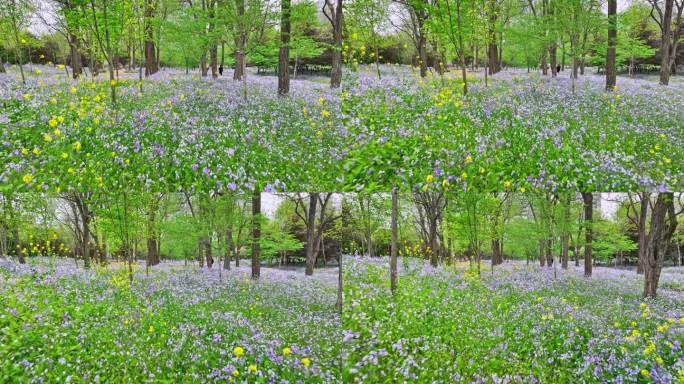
[151,58]
[663,225]
[612,42]
[450,13]
[415,28]
[366,18]
[256,234]
[588,199]
[334,15]
[284,55]
[395,243]
[662,14]
[15,14]
[430,207]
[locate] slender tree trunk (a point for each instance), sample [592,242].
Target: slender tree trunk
[663,225]
[284,54]
[340,296]
[208,252]
[75,57]
[434,252]
[2,66]
[588,199]
[229,247]
[394,246]
[149,48]
[310,234]
[336,21]
[644,201]
[213,61]
[665,42]
[256,235]
[565,250]
[612,42]
[240,41]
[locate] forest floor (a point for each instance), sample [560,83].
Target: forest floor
[61,323]
[517,324]
[518,132]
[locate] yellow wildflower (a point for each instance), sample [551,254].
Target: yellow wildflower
[287,351]
[238,351]
[28,178]
[306,362]
[252,368]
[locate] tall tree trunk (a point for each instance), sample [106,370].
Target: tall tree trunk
[207,252]
[213,47]
[338,304]
[612,42]
[213,54]
[665,42]
[335,18]
[240,41]
[256,235]
[394,246]
[75,57]
[149,48]
[663,225]
[310,234]
[496,252]
[434,247]
[644,200]
[284,54]
[565,250]
[588,199]
[203,65]
[493,58]
[2,66]
[229,247]
[152,256]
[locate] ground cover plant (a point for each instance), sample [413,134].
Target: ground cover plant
[59,135]
[61,323]
[520,132]
[517,324]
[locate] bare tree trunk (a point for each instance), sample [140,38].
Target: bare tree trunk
[394,246]
[338,304]
[75,57]
[663,225]
[334,15]
[612,42]
[644,201]
[588,199]
[496,252]
[229,247]
[310,234]
[665,43]
[240,41]
[284,54]
[2,66]
[256,235]
[150,51]
[565,250]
